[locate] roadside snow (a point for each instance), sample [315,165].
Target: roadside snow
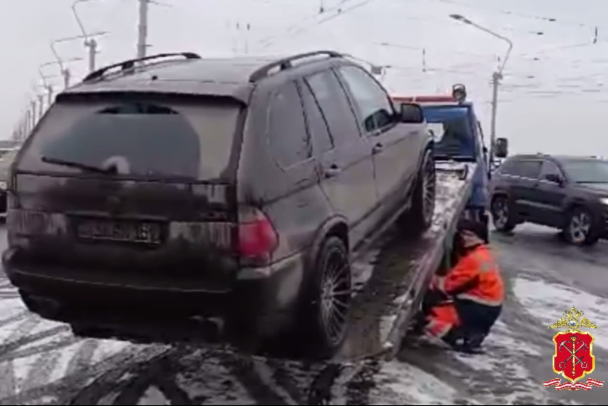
[402,384]
[547,302]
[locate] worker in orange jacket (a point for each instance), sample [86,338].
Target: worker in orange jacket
[462,306]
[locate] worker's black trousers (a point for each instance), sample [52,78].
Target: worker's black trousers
[476,320]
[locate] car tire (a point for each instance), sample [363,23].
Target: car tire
[327,300]
[501,214]
[419,217]
[581,227]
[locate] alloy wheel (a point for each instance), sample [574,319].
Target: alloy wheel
[428,191]
[501,213]
[580,225]
[335,296]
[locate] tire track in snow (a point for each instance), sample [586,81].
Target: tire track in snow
[83,356]
[42,370]
[8,384]
[243,368]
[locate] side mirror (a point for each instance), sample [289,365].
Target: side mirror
[501,148]
[411,113]
[554,178]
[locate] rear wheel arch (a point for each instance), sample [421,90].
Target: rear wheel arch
[336,226]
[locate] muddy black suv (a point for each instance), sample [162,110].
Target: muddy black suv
[163,193]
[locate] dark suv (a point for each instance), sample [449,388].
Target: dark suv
[168,191]
[566,192]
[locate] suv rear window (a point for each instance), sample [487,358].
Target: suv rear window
[168,140]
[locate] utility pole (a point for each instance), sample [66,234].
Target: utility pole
[46,85]
[142,31]
[40,106]
[89,42]
[64,70]
[34,109]
[496,78]
[424,60]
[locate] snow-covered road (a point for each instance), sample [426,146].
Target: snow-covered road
[41,363]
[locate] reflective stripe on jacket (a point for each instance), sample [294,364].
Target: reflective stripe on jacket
[475,277]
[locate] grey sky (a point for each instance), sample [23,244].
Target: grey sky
[557,103]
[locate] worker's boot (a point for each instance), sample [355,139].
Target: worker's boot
[470,344]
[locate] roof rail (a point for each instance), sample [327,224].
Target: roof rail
[129,64]
[286,63]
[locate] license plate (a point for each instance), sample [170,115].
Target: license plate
[137,232]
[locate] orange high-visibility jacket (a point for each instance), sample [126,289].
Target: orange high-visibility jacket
[475,277]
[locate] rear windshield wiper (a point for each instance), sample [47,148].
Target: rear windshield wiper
[79,165]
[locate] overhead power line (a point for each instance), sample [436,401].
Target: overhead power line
[517,14]
[340,11]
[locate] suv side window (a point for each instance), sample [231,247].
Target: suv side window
[287,136]
[509,167]
[317,123]
[334,104]
[549,168]
[372,102]
[529,169]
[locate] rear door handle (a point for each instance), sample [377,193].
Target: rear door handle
[332,171]
[377,148]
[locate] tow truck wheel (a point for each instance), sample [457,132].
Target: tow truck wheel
[327,301]
[501,214]
[420,216]
[580,228]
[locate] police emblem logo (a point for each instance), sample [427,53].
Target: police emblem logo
[573,358]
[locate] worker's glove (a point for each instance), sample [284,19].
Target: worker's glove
[435,297]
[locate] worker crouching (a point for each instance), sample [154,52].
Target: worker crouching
[462,306]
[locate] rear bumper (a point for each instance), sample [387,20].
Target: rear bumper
[261,305]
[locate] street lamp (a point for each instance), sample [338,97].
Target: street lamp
[46,84]
[65,72]
[496,76]
[89,41]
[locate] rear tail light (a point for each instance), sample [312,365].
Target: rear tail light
[257,238]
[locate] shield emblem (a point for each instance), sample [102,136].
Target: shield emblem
[573,357]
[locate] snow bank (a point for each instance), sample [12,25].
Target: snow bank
[547,302]
[399,384]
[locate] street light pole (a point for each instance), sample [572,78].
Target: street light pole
[89,41]
[142,31]
[497,76]
[65,71]
[47,86]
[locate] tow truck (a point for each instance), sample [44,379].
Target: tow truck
[459,137]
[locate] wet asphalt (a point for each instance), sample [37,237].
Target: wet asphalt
[42,363]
